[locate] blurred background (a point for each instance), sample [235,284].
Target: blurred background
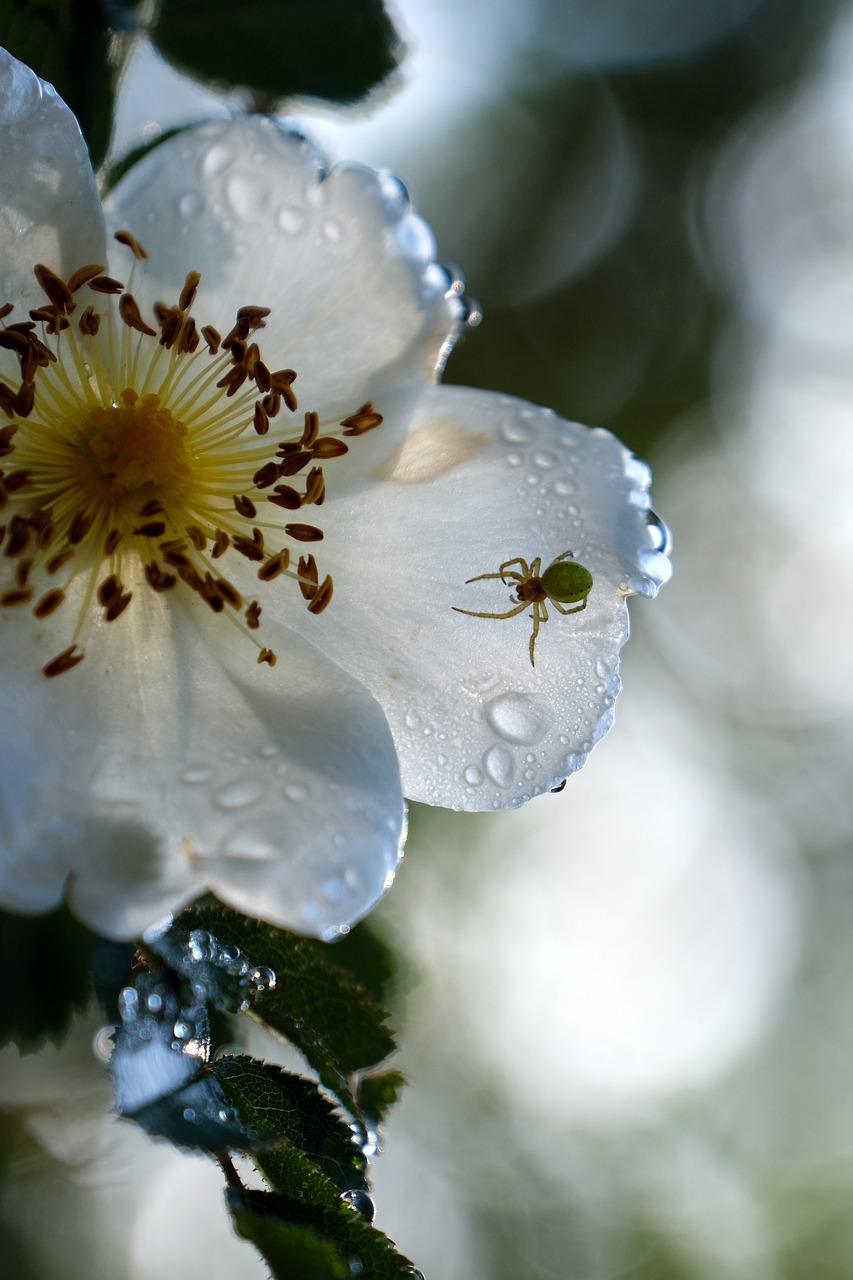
[625,1010]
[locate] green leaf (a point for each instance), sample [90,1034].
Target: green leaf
[267,1218]
[277,1104]
[68,43]
[49,963]
[314,1004]
[333,49]
[376,1094]
[293,1252]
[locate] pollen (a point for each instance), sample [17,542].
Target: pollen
[147,453]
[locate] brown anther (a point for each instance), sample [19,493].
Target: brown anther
[170,330]
[8,403]
[49,603]
[56,289]
[266,655]
[63,662]
[6,310]
[22,571]
[190,576]
[188,292]
[237,346]
[18,595]
[221,542]
[124,237]
[229,593]
[315,488]
[267,475]
[274,566]
[117,605]
[263,377]
[128,309]
[244,506]
[175,555]
[252,359]
[25,399]
[41,522]
[233,380]
[188,340]
[20,536]
[281,383]
[83,275]
[292,463]
[271,403]
[308,577]
[254,317]
[16,480]
[108,588]
[79,527]
[30,360]
[329,447]
[322,597]
[111,541]
[153,529]
[364,419]
[152,508]
[304,532]
[311,430]
[4,496]
[247,547]
[159,580]
[89,322]
[212,337]
[55,321]
[211,595]
[12,339]
[261,420]
[253,616]
[286,497]
[59,561]
[105,284]
[196,536]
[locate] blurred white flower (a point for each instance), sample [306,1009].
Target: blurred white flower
[184,704]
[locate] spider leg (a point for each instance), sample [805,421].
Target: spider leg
[472,613]
[539,614]
[503,577]
[575,608]
[519,577]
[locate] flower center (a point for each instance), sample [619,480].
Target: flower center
[142,456]
[138,443]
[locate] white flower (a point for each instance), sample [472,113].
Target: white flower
[185,704]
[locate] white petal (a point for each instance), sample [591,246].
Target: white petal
[341,260]
[481,480]
[168,762]
[50,210]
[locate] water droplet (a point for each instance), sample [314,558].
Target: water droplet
[515,431]
[544,459]
[295,791]
[228,1115]
[217,158]
[229,954]
[190,204]
[238,795]
[290,219]
[564,487]
[499,765]
[332,230]
[196,773]
[413,719]
[361,1202]
[189,1114]
[128,1004]
[182,1030]
[472,775]
[517,719]
[515,459]
[103,1044]
[246,195]
[201,944]
[263,978]
[155,1002]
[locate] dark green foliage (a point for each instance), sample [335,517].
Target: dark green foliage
[315,1004]
[279,1105]
[67,42]
[279,1226]
[333,49]
[53,967]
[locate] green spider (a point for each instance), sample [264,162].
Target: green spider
[563,582]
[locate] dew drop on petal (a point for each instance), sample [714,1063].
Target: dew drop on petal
[196,773]
[216,159]
[247,196]
[190,204]
[499,765]
[473,775]
[516,719]
[238,795]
